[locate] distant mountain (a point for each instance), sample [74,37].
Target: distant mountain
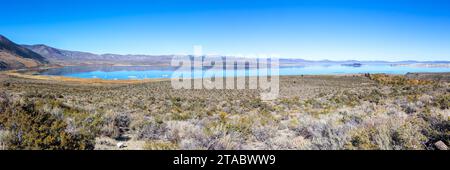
[13,56]
[66,57]
[54,54]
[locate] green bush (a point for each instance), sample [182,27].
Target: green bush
[438,129]
[443,101]
[375,96]
[159,145]
[409,136]
[364,139]
[30,127]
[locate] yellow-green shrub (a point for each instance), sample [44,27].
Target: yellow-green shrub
[159,145]
[30,127]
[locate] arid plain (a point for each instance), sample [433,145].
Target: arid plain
[312,112]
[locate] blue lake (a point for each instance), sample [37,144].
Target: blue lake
[146,72]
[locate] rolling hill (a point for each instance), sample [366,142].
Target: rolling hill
[14,56]
[67,57]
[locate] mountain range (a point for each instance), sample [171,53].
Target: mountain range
[14,56]
[66,57]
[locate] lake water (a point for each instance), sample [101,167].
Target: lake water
[146,72]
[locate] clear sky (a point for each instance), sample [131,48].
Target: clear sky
[337,30]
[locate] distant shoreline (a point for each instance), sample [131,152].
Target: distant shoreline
[33,74]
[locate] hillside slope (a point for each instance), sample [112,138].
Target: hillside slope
[67,57]
[54,54]
[13,56]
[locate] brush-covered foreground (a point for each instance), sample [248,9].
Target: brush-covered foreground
[312,112]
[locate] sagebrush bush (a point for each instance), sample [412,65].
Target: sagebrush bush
[372,138]
[437,127]
[443,101]
[159,145]
[409,136]
[121,125]
[30,127]
[152,130]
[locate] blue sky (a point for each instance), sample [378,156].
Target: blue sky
[338,30]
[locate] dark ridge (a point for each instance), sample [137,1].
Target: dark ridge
[8,46]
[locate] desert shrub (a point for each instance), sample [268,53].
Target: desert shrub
[120,125]
[409,136]
[443,101]
[289,102]
[262,133]
[351,118]
[393,134]
[4,102]
[46,123]
[32,129]
[361,140]
[231,141]
[258,104]
[177,113]
[370,138]
[314,103]
[323,133]
[107,129]
[397,80]
[122,120]
[186,135]
[159,145]
[152,130]
[345,98]
[375,96]
[221,137]
[438,128]
[4,135]
[409,108]
[241,125]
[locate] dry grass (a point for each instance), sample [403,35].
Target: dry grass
[313,112]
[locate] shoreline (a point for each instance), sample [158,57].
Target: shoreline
[80,80]
[34,73]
